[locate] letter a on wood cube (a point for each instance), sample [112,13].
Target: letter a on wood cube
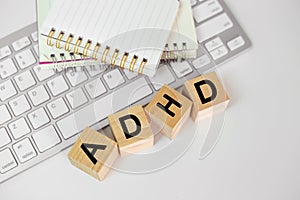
[168,111]
[131,130]
[208,95]
[94,153]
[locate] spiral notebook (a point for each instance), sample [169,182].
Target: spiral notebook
[130,34]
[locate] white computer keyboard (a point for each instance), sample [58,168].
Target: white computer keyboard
[41,111]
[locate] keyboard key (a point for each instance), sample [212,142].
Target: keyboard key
[130,75]
[25,59]
[43,74]
[219,53]
[46,138]
[57,86]
[236,43]
[201,61]
[21,43]
[114,78]
[36,49]
[100,109]
[34,36]
[7,90]
[5,115]
[95,70]
[19,128]
[95,88]
[213,27]
[4,138]
[25,80]
[38,118]
[4,52]
[163,76]
[38,95]
[58,108]
[7,161]
[213,44]
[76,98]
[19,105]
[181,68]
[207,10]
[24,150]
[7,68]
[76,78]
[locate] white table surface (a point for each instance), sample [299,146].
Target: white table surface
[258,156]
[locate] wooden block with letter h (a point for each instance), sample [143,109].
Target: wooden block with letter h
[208,95]
[131,130]
[94,153]
[168,111]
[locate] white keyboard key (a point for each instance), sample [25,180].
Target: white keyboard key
[95,70]
[24,150]
[76,98]
[213,27]
[7,90]
[5,115]
[100,109]
[163,76]
[219,53]
[36,49]
[7,68]
[57,85]
[43,74]
[130,75]
[25,59]
[38,118]
[114,78]
[19,128]
[213,44]
[34,36]
[57,108]
[4,52]
[21,43]
[4,138]
[7,161]
[46,138]
[236,43]
[201,61]
[181,68]
[207,10]
[19,105]
[25,80]
[76,78]
[38,95]
[95,88]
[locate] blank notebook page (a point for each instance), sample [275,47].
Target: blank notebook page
[140,28]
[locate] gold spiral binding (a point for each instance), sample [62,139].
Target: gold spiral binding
[59,39]
[142,66]
[123,60]
[77,45]
[105,53]
[132,63]
[114,58]
[96,50]
[50,36]
[86,48]
[68,43]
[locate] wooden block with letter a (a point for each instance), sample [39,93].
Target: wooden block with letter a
[168,111]
[208,95]
[131,130]
[94,153]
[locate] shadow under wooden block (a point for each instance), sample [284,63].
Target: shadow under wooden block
[131,130]
[208,95]
[94,153]
[168,111]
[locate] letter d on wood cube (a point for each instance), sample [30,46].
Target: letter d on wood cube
[131,130]
[208,95]
[168,111]
[94,153]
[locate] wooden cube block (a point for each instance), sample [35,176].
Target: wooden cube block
[131,130]
[94,153]
[208,95]
[168,111]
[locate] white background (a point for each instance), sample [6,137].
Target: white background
[258,156]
